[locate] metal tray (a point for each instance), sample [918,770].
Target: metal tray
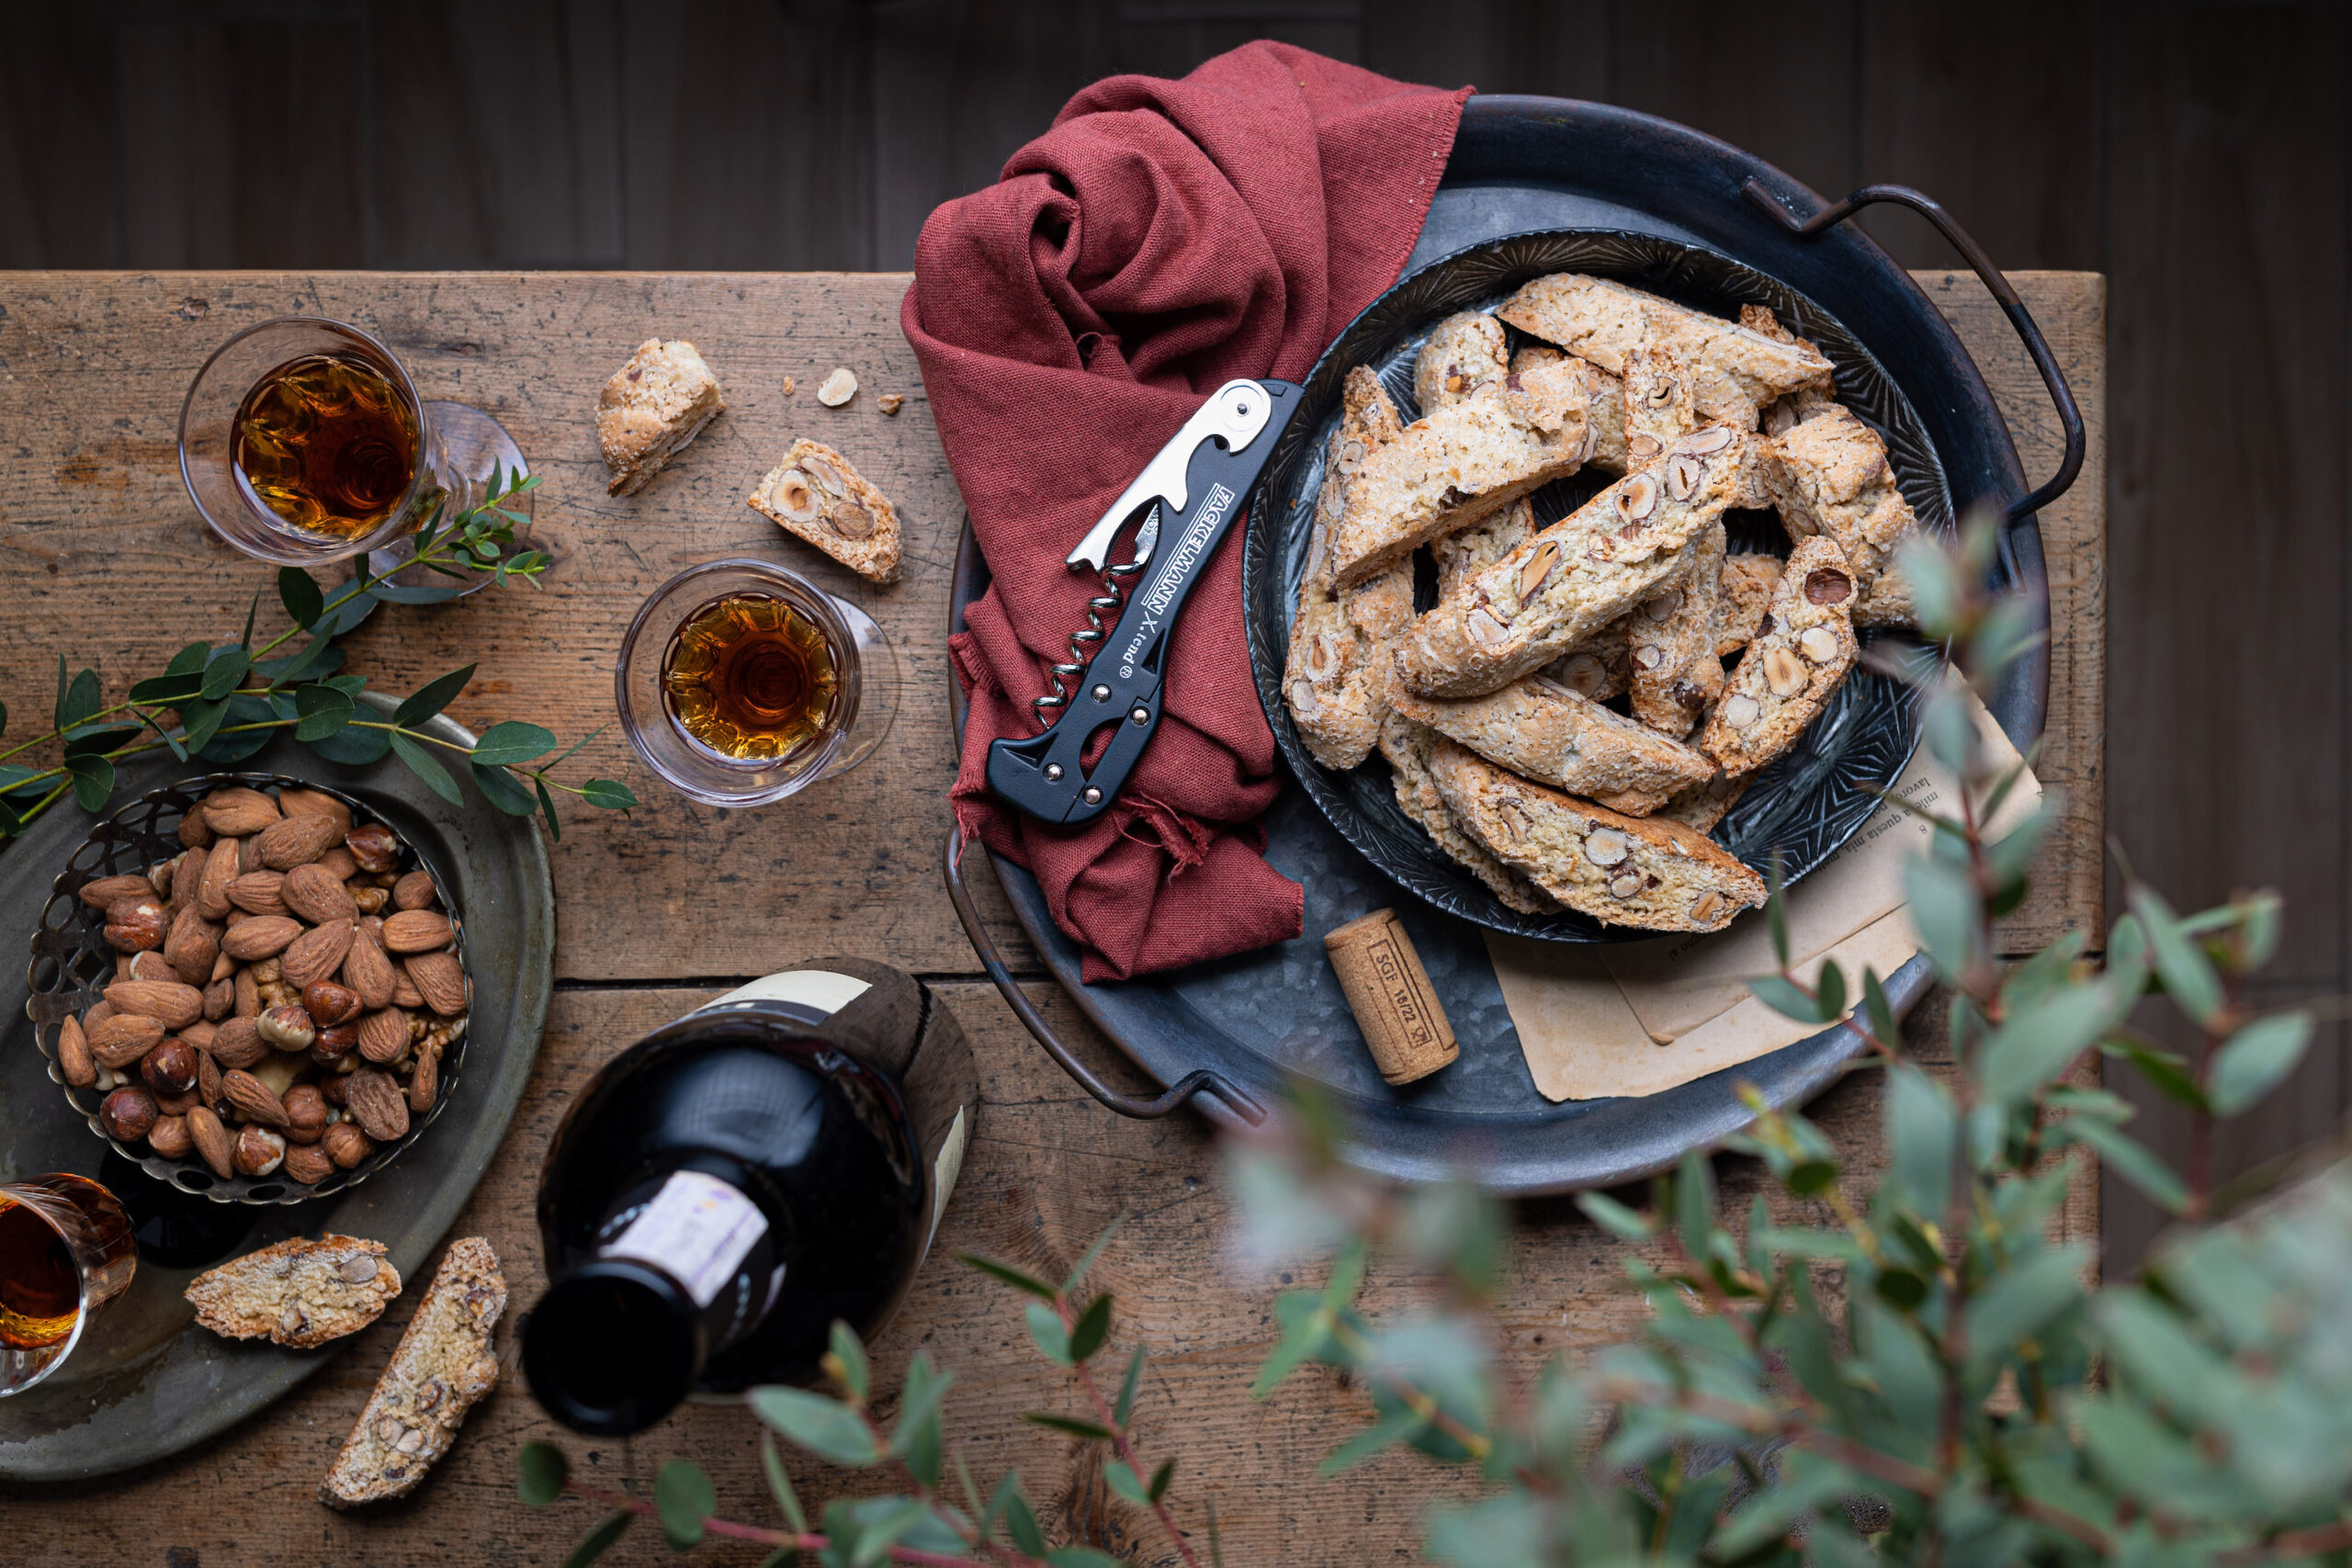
[150,1383]
[1228,1031]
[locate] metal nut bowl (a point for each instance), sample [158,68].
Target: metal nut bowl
[72,965]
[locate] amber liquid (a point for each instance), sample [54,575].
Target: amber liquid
[750,678]
[328,443]
[40,1286]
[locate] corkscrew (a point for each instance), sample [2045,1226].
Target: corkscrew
[1187,497]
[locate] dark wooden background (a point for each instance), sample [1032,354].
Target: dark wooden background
[2195,153]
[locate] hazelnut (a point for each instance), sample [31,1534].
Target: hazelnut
[307,1165]
[345,1144]
[170,1068]
[334,1044]
[128,1114]
[170,1137]
[135,925]
[331,1090]
[373,847]
[329,1003]
[306,1114]
[369,899]
[259,1150]
[288,1028]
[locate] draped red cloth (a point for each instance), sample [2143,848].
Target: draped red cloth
[1162,237]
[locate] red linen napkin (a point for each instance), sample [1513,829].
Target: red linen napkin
[1161,239]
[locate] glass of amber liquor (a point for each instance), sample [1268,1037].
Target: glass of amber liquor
[741,683]
[304,442]
[65,1252]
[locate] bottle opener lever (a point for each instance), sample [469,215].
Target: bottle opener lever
[1200,480]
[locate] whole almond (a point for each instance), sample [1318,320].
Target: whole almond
[248,994]
[221,868]
[210,1085]
[192,946]
[237,1043]
[251,1099]
[259,892]
[376,1104]
[405,991]
[220,999]
[383,1036]
[169,1137]
[318,894]
[299,839]
[212,1142]
[169,1002]
[316,954]
[73,1058]
[189,879]
[99,892]
[440,982]
[249,855]
[426,1082]
[414,891]
[98,1012]
[263,936]
[304,1163]
[123,1038]
[416,930]
[339,863]
[194,833]
[236,812]
[199,1033]
[293,801]
[367,971]
[149,966]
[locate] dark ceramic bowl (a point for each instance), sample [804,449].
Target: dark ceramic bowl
[73,964]
[1802,808]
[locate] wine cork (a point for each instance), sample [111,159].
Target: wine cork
[1390,994]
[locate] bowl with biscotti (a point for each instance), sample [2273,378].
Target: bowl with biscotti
[253,987]
[1563,586]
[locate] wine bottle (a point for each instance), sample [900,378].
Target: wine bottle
[731,1184]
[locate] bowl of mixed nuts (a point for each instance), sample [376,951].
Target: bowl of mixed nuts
[253,987]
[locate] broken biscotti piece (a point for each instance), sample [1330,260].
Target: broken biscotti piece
[1801,652]
[653,405]
[1565,583]
[1676,671]
[1463,555]
[1624,871]
[1548,733]
[445,1364]
[1829,475]
[1407,746]
[1700,806]
[1461,351]
[816,496]
[1339,638]
[1734,369]
[298,1292]
[1746,589]
[1460,463]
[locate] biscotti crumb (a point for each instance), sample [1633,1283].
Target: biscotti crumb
[447,1364]
[787,386]
[891,402]
[651,408]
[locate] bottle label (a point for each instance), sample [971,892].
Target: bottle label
[696,1230]
[820,990]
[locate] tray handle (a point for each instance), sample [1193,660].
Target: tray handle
[1990,276]
[1200,1081]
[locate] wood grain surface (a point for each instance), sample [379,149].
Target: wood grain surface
[102,556]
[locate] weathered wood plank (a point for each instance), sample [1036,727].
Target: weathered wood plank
[60,163]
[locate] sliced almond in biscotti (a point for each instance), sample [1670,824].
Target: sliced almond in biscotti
[1407,746]
[1802,651]
[1461,352]
[1829,475]
[299,1292]
[1647,873]
[1548,733]
[1459,465]
[815,495]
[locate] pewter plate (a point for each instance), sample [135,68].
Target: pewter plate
[149,1384]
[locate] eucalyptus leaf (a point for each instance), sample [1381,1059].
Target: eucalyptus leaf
[1093,1327]
[607,794]
[684,1496]
[512,743]
[598,1542]
[2256,1059]
[80,701]
[323,710]
[426,766]
[298,592]
[1047,1332]
[780,1483]
[547,809]
[826,1427]
[845,1362]
[543,1471]
[93,782]
[431,697]
[1028,1284]
[355,745]
[505,791]
[1069,1425]
[1125,1406]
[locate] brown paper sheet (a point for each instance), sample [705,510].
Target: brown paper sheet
[1639,1018]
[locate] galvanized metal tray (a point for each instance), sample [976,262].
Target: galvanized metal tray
[150,1384]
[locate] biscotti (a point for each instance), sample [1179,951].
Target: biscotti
[1829,475]
[1700,806]
[1570,579]
[1734,371]
[301,1292]
[1407,747]
[1459,464]
[1547,733]
[652,406]
[1743,591]
[815,495]
[1462,351]
[1627,871]
[1801,654]
[1601,666]
[1462,555]
[1339,638]
[1676,671]
[445,1364]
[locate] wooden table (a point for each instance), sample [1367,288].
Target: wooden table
[103,558]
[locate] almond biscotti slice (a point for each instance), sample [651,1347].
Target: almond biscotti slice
[1829,475]
[1461,351]
[1567,581]
[1658,409]
[299,1292]
[1676,671]
[1801,654]
[1734,371]
[1624,871]
[815,495]
[1700,806]
[651,408]
[1546,732]
[1460,463]
[1462,555]
[1339,638]
[1407,746]
[1745,589]
[445,1364]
